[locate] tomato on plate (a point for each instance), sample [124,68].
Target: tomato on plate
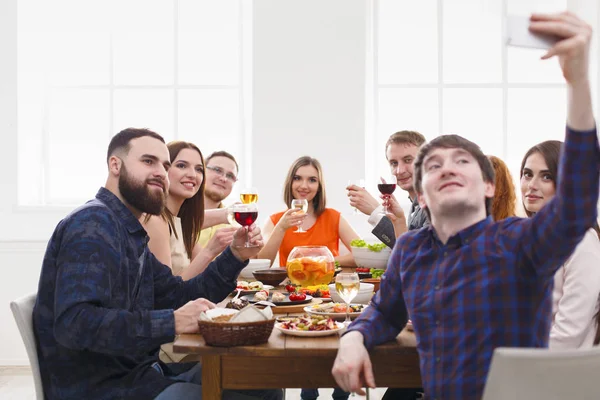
[290,288]
[360,269]
[297,296]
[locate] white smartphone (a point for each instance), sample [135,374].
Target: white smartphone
[519,35]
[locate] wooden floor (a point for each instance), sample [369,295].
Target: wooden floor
[16,383]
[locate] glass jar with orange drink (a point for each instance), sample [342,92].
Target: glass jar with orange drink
[310,265]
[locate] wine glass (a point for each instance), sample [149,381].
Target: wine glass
[347,285]
[245,215]
[249,195]
[357,182]
[302,206]
[386,187]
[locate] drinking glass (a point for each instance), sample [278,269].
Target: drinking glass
[347,285]
[386,188]
[249,195]
[357,182]
[302,206]
[245,215]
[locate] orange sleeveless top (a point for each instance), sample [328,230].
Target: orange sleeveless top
[325,232]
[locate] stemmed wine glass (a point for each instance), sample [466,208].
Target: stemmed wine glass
[357,182]
[245,215]
[302,206]
[249,195]
[386,187]
[347,285]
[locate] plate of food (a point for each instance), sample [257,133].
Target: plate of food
[278,298]
[336,311]
[246,287]
[309,326]
[316,291]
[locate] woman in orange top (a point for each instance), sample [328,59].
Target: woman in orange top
[323,226]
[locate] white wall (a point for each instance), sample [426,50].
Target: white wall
[308,98]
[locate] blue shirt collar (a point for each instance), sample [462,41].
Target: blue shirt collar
[466,235]
[129,220]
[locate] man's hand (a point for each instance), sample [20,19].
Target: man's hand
[352,369]
[238,248]
[573,50]
[222,238]
[393,207]
[361,199]
[186,317]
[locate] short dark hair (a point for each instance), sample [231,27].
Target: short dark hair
[120,142]
[405,137]
[550,151]
[223,153]
[453,142]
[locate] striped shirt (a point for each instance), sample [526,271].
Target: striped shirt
[490,285]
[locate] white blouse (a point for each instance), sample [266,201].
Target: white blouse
[575,300]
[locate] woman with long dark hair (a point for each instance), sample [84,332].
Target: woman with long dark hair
[174,234]
[575,300]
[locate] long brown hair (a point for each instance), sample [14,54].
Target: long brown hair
[550,151]
[320,200]
[505,198]
[191,212]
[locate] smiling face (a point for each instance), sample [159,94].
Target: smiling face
[305,183]
[453,184]
[186,174]
[142,179]
[400,157]
[538,185]
[220,177]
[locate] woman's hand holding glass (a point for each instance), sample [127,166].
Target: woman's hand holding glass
[301,207]
[290,219]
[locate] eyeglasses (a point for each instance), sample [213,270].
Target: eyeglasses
[221,172]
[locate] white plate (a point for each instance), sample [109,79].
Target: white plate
[334,315]
[340,327]
[268,287]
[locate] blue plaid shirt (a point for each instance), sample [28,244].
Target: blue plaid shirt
[105,305]
[490,285]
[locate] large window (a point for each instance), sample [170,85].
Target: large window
[442,67]
[87,69]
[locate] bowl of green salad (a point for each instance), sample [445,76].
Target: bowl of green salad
[370,255]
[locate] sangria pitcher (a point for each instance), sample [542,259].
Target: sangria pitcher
[310,265]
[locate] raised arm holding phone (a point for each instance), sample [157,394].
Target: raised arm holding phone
[471,284]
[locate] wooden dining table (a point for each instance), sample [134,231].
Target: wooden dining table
[294,362]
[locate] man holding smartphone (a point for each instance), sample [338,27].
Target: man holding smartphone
[471,284]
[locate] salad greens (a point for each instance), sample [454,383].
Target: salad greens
[377,247]
[376,273]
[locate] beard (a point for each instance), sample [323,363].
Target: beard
[214,196]
[139,196]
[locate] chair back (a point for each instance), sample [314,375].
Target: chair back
[519,373]
[22,310]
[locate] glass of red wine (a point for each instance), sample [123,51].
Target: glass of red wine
[386,187]
[245,215]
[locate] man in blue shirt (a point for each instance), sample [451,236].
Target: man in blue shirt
[470,284]
[105,304]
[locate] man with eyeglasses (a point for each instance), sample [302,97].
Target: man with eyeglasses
[221,174]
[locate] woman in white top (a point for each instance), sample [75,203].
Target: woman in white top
[174,234]
[575,299]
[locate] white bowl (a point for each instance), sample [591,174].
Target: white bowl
[365,292]
[366,258]
[254,264]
